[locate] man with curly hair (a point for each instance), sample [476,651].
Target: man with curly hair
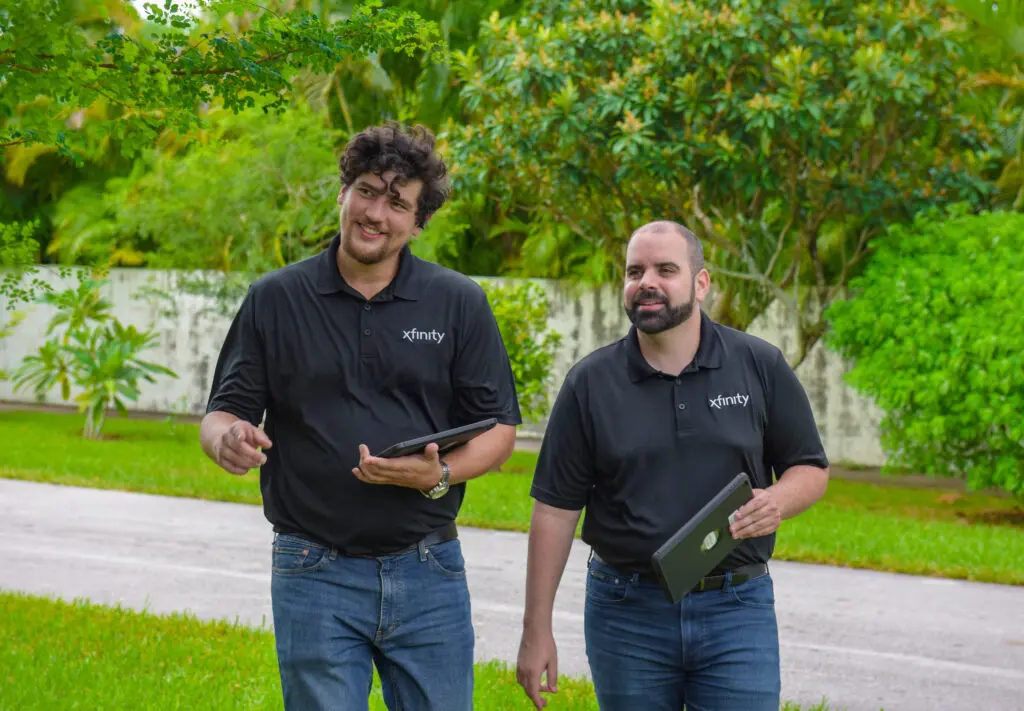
[344,353]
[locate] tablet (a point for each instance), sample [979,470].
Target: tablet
[702,543]
[445,440]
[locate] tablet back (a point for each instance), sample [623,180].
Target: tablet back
[702,543]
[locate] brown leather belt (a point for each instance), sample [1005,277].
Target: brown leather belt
[709,582]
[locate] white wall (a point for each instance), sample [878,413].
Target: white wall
[189,344]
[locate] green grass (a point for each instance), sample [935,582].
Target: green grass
[859,524]
[65,655]
[61,655]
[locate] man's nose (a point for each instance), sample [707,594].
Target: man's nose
[375,211]
[646,282]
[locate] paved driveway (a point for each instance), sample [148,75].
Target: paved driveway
[864,640]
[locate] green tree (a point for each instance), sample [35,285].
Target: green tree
[140,80]
[997,32]
[930,330]
[786,134]
[90,80]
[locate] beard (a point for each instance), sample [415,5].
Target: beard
[358,249]
[663,319]
[375,255]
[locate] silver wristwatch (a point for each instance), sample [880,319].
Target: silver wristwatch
[440,488]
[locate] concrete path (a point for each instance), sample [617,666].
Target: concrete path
[862,639]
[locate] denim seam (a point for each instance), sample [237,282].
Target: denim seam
[454,574]
[399,704]
[325,559]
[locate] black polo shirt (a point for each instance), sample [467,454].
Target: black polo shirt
[333,371]
[643,451]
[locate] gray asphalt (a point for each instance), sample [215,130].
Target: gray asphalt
[863,640]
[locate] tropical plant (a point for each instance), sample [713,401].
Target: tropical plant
[786,134]
[998,38]
[521,310]
[930,329]
[95,354]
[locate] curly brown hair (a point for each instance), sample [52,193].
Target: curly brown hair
[407,151]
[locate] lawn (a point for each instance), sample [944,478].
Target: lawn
[65,655]
[901,529]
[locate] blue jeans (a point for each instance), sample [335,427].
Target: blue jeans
[716,650]
[335,617]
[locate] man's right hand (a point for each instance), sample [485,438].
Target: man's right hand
[236,450]
[537,655]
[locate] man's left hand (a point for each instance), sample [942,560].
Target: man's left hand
[758,517]
[414,472]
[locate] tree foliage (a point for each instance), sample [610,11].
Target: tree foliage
[135,81]
[931,331]
[997,31]
[89,82]
[521,310]
[785,134]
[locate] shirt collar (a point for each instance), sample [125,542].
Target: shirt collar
[407,284]
[708,355]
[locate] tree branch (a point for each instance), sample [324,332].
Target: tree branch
[174,72]
[753,274]
[32,70]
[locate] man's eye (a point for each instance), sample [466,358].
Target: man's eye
[398,206]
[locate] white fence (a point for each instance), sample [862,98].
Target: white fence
[190,341]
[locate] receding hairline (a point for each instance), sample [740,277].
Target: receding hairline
[694,249]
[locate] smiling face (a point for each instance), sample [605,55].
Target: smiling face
[661,290]
[378,216]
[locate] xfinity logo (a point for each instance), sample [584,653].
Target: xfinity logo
[413,335]
[722,400]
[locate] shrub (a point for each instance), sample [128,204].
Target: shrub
[931,329]
[521,309]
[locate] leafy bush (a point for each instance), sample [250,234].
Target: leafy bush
[95,353]
[521,309]
[931,330]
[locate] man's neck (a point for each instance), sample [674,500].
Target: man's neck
[672,350]
[368,279]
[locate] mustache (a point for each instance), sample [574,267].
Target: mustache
[649,295]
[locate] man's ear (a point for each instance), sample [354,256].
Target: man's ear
[702,284]
[417,229]
[341,194]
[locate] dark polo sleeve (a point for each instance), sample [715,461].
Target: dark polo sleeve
[791,437]
[565,467]
[240,378]
[482,373]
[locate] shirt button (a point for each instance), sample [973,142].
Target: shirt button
[366,332]
[367,307]
[682,406]
[679,381]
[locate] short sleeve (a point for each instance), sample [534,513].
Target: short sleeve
[240,377]
[482,375]
[792,436]
[565,467]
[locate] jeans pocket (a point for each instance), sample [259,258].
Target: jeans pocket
[758,592]
[293,555]
[603,586]
[447,558]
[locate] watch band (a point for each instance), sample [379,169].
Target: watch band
[440,488]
